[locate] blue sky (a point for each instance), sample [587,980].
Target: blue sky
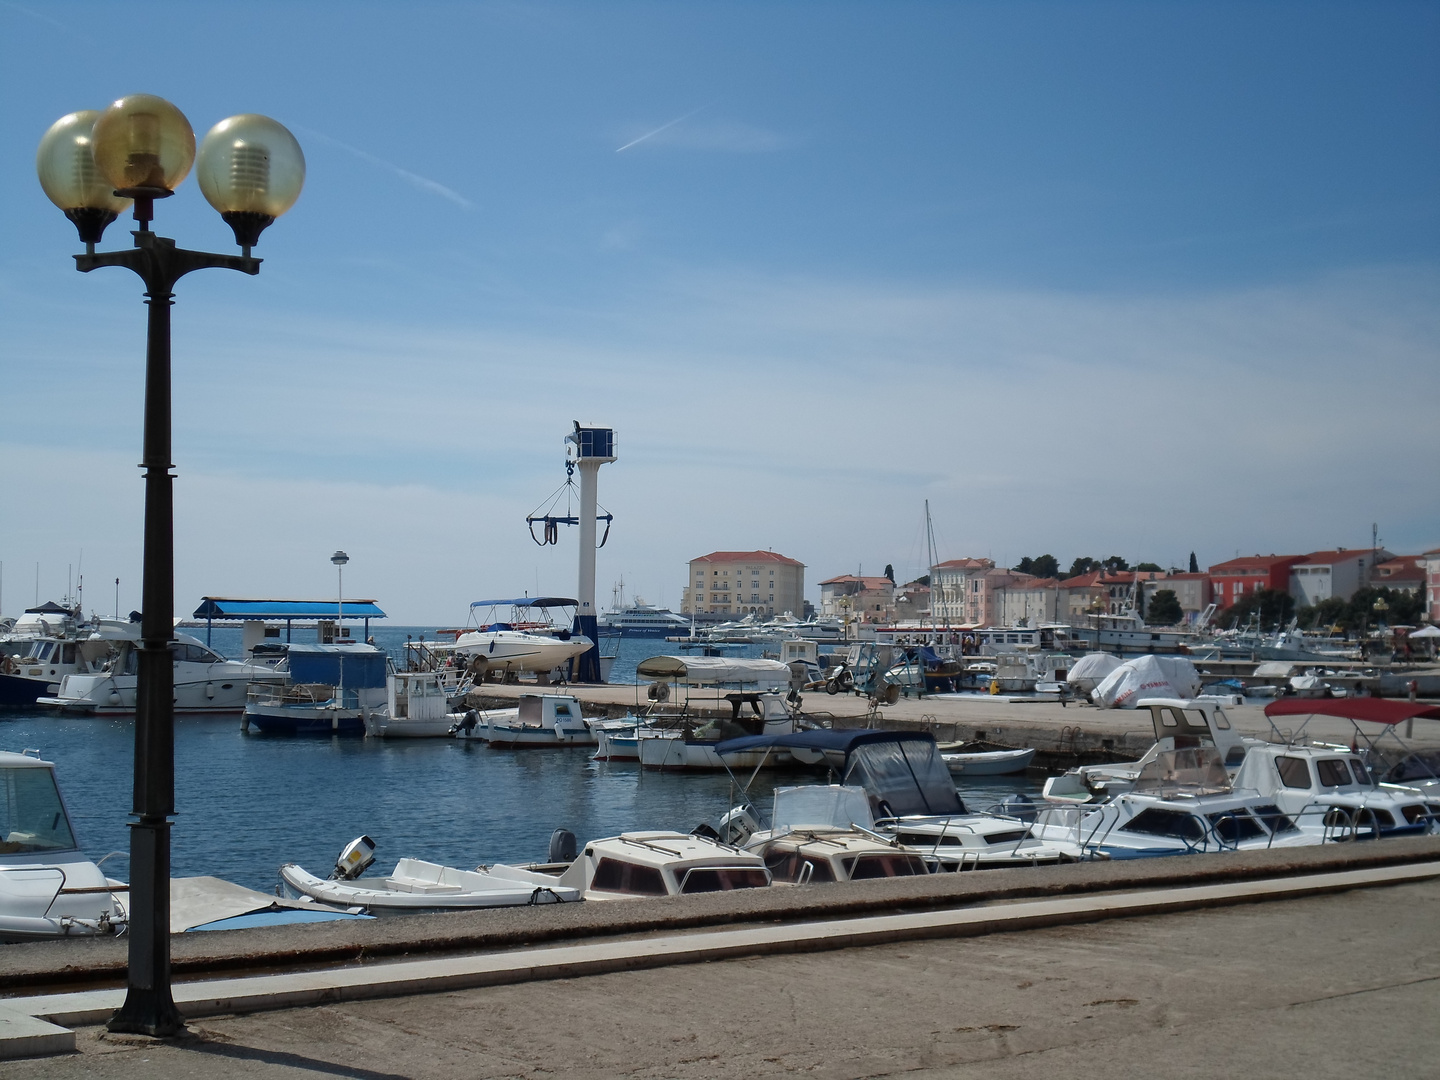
[1093,278]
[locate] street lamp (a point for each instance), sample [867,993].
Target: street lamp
[340,559]
[93,165]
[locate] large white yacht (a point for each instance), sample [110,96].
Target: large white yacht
[644,620]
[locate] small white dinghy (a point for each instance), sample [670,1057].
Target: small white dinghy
[416,885]
[987,762]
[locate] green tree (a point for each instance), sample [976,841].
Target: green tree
[1272,606]
[1194,564]
[1083,564]
[1116,565]
[1358,614]
[1045,566]
[1165,608]
[1150,568]
[1024,566]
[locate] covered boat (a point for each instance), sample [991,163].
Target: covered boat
[328,690]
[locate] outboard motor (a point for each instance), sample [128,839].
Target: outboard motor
[354,860]
[1017,805]
[736,827]
[562,847]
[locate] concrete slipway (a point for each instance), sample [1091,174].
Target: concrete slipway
[222,974]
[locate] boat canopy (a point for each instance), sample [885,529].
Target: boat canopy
[354,667]
[901,771]
[1376,710]
[714,669]
[214,608]
[528,602]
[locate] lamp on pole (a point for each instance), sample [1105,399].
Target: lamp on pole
[339,559]
[93,165]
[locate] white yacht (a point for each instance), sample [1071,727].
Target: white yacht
[48,888]
[523,642]
[205,682]
[644,620]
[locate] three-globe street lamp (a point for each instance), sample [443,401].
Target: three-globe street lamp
[93,165]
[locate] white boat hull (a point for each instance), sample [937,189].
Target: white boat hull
[989,763]
[417,886]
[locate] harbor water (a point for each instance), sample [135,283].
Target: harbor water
[246,803]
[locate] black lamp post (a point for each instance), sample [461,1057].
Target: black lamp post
[92,165]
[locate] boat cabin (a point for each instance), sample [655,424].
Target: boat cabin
[641,864]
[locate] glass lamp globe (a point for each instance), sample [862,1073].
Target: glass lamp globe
[66,165]
[144,142]
[251,169]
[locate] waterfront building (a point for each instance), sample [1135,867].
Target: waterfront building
[1405,574]
[1233,579]
[1432,584]
[1325,574]
[1028,603]
[744,583]
[912,602]
[869,599]
[1192,590]
[955,587]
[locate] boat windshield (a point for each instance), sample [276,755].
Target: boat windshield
[723,878]
[32,817]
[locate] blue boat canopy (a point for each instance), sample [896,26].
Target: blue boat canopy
[215,608]
[529,602]
[355,667]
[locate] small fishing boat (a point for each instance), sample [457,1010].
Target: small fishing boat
[640,864]
[417,707]
[48,888]
[538,720]
[415,885]
[970,759]
[328,690]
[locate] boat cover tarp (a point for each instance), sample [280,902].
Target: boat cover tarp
[1376,710]
[1146,677]
[1425,632]
[1091,668]
[902,770]
[200,901]
[218,609]
[714,669]
[363,666]
[528,602]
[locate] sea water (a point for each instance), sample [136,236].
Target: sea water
[246,803]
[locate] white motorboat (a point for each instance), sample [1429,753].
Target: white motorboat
[640,864]
[48,647]
[416,886]
[417,706]
[327,690]
[825,832]
[205,682]
[538,720]
[523,642]
[976,762]
[48,888]
[692,746]
[644,620]
[912,798]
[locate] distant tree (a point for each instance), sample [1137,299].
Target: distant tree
[890,573]
[1324,616]
[923,580]
[1165,609]
[1083,564]
[1150,567]
[1272,606]
[1116,565]
[1045,566]
[1194,564]
[1358,614]
[1025,566]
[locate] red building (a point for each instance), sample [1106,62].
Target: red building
[1236,578]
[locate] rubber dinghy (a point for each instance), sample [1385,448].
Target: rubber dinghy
[416,885]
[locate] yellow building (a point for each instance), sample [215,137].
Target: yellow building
[743,583]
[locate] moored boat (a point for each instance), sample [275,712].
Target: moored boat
[327,690]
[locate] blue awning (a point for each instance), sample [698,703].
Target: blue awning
[351,666]
[529,602]
[219,609]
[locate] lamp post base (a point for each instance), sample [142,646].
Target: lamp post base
[149,1008]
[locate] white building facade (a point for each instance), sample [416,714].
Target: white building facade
[745,583]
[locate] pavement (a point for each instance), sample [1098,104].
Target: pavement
[1343,985]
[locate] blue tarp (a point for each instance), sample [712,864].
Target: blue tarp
[528,602]
[217,608]
[363,668]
